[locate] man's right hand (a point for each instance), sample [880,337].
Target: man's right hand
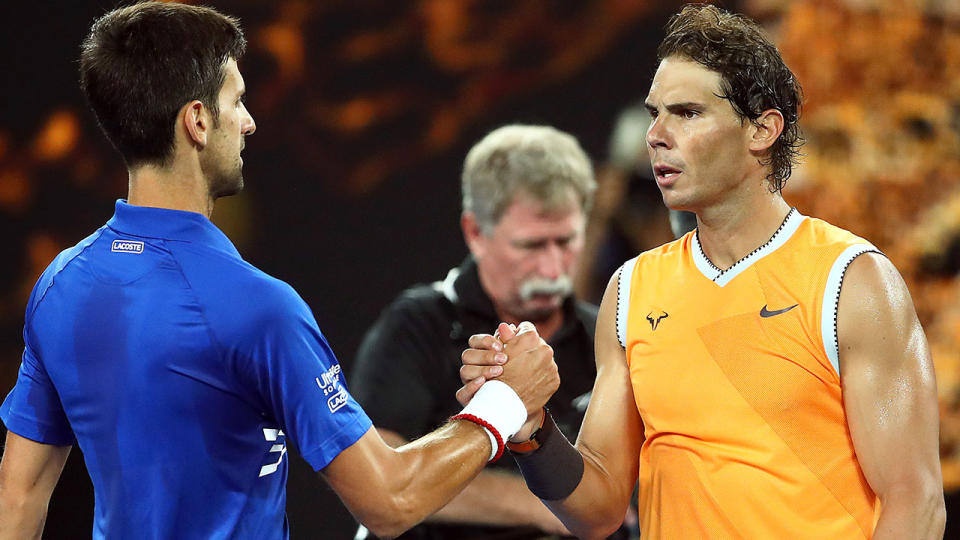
[527,366]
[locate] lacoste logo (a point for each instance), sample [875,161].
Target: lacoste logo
[656,317]
[126,246]
[337,401]
[764,312]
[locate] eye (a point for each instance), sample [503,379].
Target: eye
[531,245]
[689,113]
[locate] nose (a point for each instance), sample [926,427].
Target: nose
[247,124]
[550,261]
[657,134]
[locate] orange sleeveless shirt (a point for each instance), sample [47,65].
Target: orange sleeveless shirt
[736,378]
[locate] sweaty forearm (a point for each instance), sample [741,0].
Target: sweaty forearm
[390,490]
[597,506]
[499,498]
[438,466]
[571,481]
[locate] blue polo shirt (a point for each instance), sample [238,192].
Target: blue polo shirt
[182,372]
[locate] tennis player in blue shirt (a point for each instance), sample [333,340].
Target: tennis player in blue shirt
[181,370]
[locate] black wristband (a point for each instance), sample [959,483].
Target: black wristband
[555,469]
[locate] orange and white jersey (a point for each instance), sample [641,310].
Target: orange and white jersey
[736,376]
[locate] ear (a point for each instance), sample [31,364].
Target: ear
[196,122]
[765,130]
[472,234]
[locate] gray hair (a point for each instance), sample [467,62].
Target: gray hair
[540,161]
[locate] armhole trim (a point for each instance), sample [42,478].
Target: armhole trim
[624,278]
[831,300]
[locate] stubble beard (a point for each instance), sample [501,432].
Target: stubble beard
[227,183]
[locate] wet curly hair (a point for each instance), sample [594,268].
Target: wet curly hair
[754,77]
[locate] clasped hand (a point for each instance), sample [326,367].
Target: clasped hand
[517,356]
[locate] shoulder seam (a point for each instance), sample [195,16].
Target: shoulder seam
[36,305]
[831,299]
[623,300]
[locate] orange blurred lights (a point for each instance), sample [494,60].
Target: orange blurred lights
[285,44]
[58,137]
[15,191]
[357,114]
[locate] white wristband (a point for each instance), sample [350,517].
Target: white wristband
[497,404]
[494,445]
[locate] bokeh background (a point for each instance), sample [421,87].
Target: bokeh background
[365,110]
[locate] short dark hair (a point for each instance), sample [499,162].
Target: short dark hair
[140,64]
[754,77]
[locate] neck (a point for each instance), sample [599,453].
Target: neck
[730,231]
[177,187]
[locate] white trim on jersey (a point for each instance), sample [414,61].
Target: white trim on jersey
[623,298]
[445,287]
[831,299]
[722,277]
[700,260]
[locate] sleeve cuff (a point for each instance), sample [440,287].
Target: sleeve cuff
[321,456]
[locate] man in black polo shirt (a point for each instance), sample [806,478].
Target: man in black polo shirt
[526,193]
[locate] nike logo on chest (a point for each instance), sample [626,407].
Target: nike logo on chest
[764,312]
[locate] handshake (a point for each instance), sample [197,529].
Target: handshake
[507,379]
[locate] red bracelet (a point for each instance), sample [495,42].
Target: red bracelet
[483,423]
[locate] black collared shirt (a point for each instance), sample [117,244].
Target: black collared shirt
[407,369]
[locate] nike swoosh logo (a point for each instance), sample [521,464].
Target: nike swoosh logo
[767,313]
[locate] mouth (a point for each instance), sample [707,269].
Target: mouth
[544,296]
[665,174]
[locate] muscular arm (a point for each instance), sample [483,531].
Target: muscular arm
[492,498]
[390,490]
[28,473]
[889,395]
[609,440]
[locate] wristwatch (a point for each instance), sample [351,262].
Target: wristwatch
[531,444]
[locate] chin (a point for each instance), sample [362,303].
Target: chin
[674,202]
[227,187]
[541,310]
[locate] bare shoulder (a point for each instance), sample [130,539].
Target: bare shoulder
[874,290]
[872,279]
[876,314]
